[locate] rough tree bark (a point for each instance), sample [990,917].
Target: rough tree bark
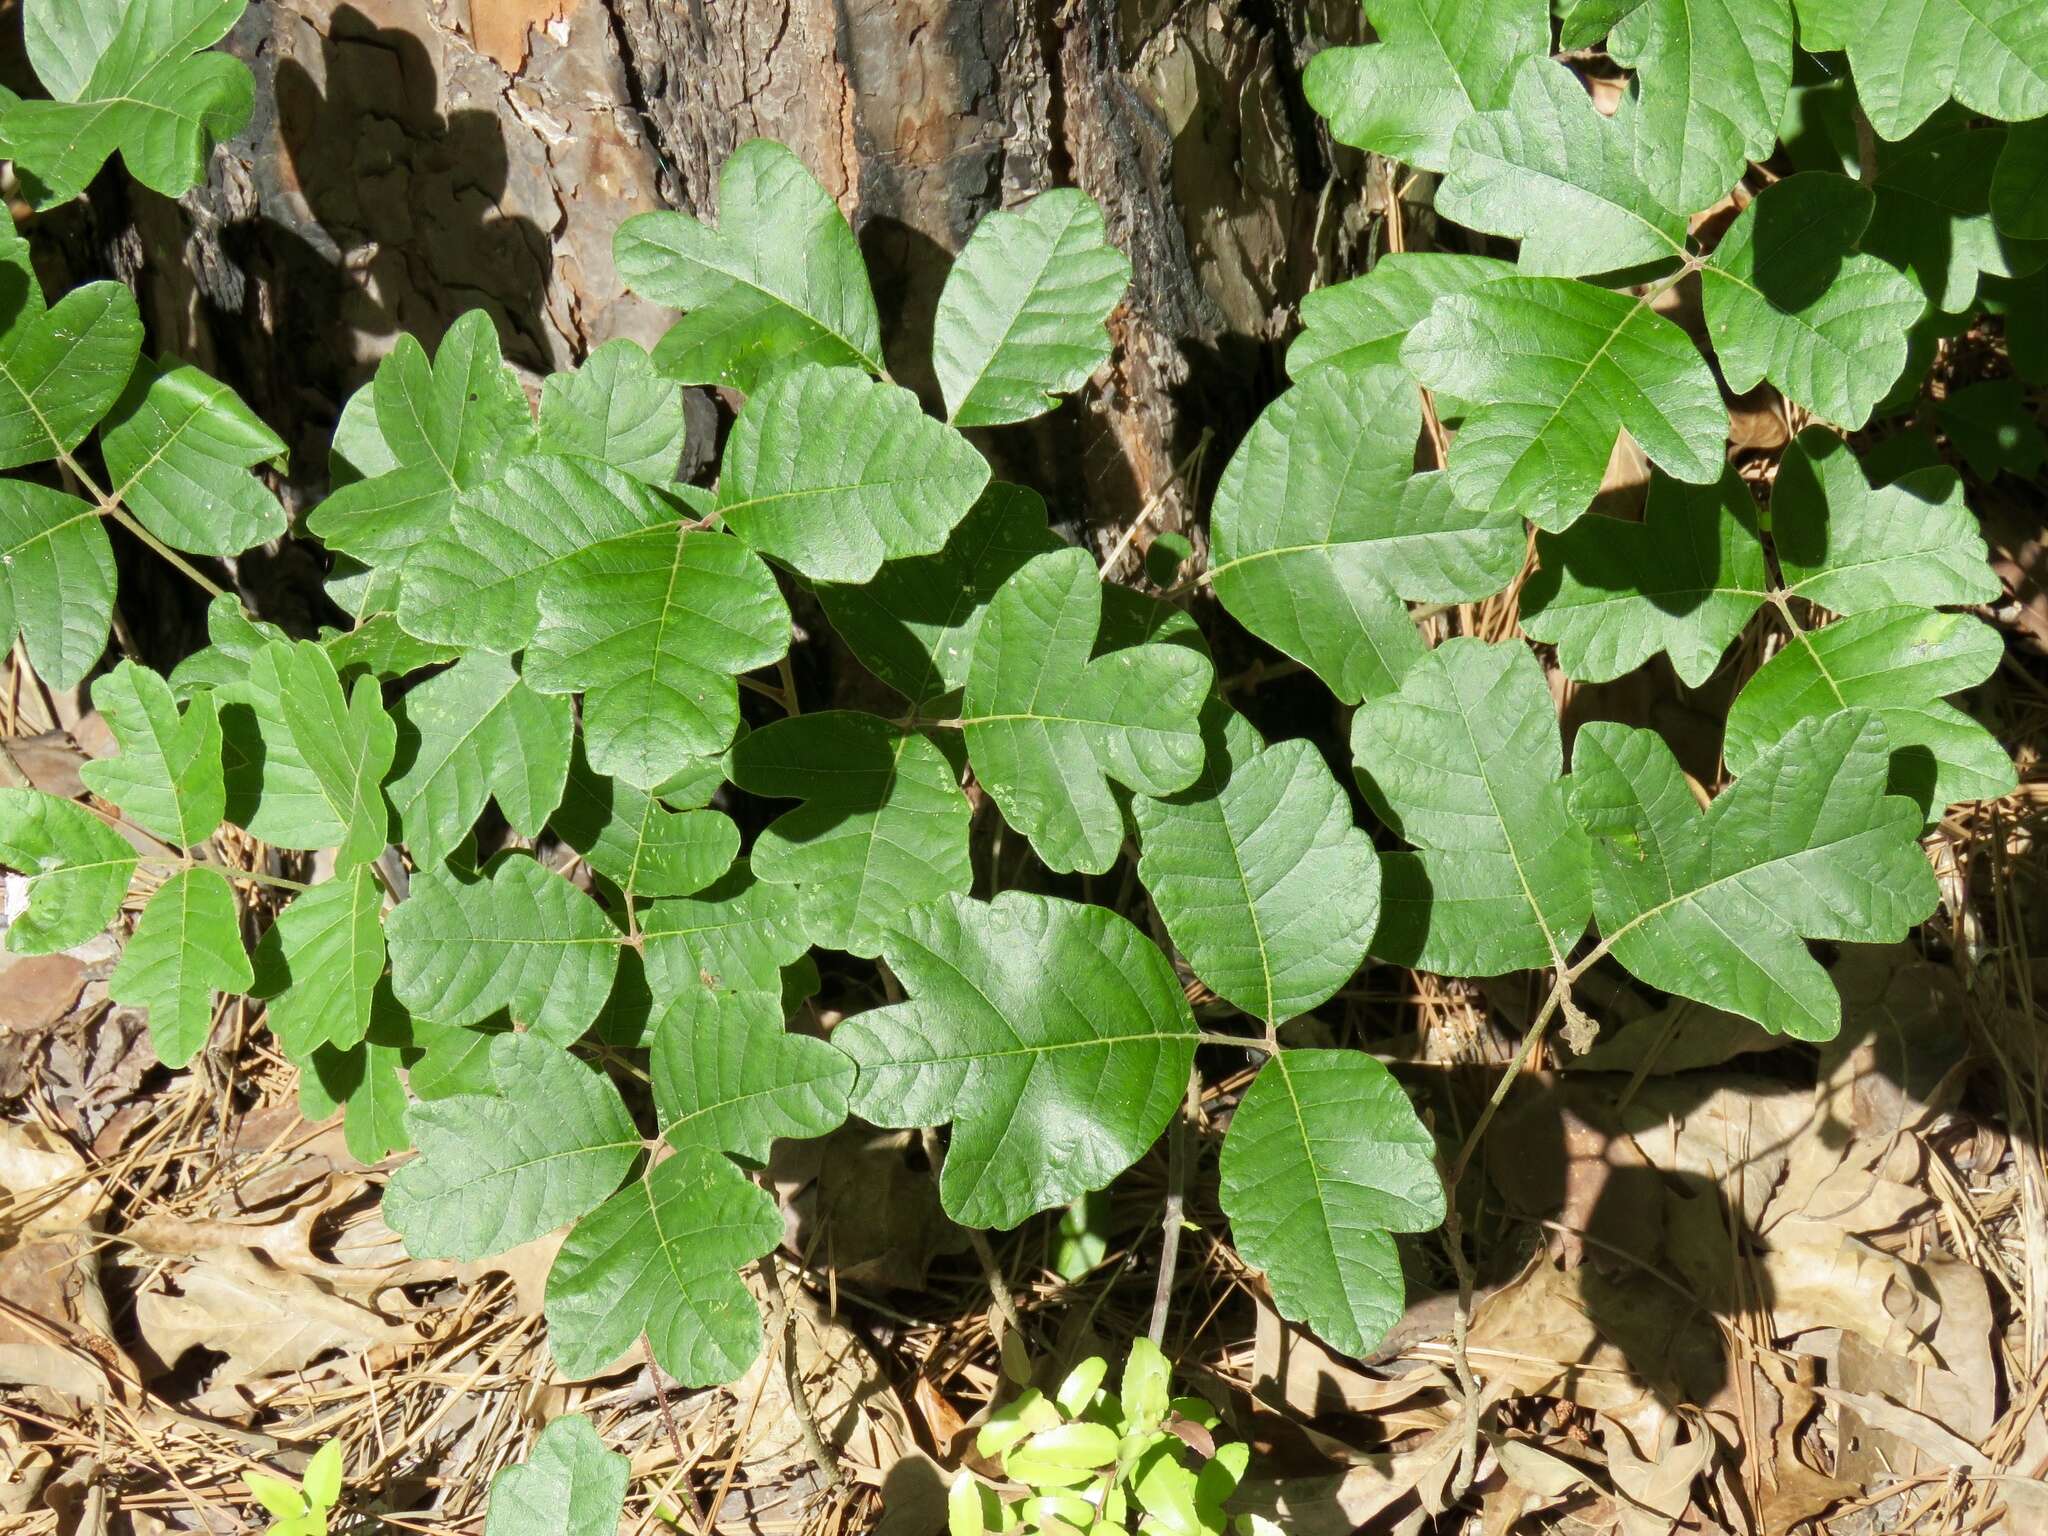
[411,159]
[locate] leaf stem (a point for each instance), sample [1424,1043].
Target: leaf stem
[1242,1042]
[109,504]
[1176,1206]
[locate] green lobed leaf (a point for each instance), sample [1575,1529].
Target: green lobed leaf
[721,951]
[1713,905]
[883,825]
[179,446]
[466,735]
[733,1079]
[1685,580]
[1325,1159]
[167,778]
[514,936]
[76,866]
[913,624]
[832,472]
[659,1258]
[779,282]
[1911,56]
[569,1485]
[1020,318]
[616,408]
[380,647]
[545,1147]
[1320,530]
[422,433]
[1465,763]
[320,962]
[347,741]
[186,949]
[65,40]
[1047,728]
[61,368]
[1362,322]
[151,92]
[1552,171]
[477,585]
[654,626]
[1555,370]
[56,580]
[1052,1035]
[1789,298]
[1850,546]
[1713,76]
[1437,63]
[2019,184]
[273,791]
[1895,663]
[1933,220]
[634,841]
[1262,880]
[373,1126]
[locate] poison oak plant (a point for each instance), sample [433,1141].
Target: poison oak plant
[545,619]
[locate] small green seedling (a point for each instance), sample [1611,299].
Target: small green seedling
[1088,1462]
[301,1511]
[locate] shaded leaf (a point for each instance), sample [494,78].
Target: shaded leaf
[320,962]
[1052,1035]
[1933,220]
[634,841]
[2019,184]
[186,948]
[77,870]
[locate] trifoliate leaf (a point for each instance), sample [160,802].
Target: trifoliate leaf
[139,82]
[2019,185]
[832,472]
[348,742]
[883,826]
[273,791]
[514,936]
[1020,318]
[186,948]
[1851,547]
[1361,323]
[1713,905]
[545,1147]
[1910,56]
[180,446]
[659,1258]
[1052,1035]
[62,368]
[1685,580]
[470,733]
[732,1079]
[1789,298]
[380,647]
[1047,728]
[779,282]
[1320,529]
[1262,880]
[618,409]
[634,841]
[569,1485]
[1933,220]
[1555,370]
[653,627]
[1553,172]
[1993,426]
[77,868]
[56,580]
[477,584]
[1437,63]
[913,625]
[320,962]
[1324,1161]
[1465,763]
[1896,663]
[444,427]
[1712,76]
[167,779]
[721,951]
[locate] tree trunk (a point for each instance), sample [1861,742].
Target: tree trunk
[412,159]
